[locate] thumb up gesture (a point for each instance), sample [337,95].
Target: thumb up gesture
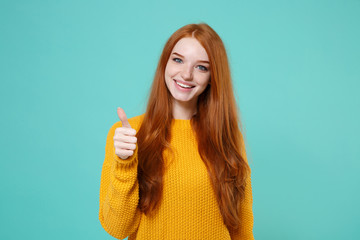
[124,137]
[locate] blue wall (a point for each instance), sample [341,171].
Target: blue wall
[65,66]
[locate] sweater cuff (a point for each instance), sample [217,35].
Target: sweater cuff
[126,163]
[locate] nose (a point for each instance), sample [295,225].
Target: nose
[186,73]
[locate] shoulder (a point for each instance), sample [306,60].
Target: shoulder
[135,122]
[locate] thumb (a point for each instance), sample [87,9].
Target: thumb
[123,118]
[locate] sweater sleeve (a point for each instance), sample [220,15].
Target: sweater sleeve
[119,191]
[245,231]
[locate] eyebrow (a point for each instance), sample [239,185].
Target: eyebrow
[175,53]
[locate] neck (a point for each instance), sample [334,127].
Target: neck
[184,110]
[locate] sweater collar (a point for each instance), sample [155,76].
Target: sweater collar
[181,123]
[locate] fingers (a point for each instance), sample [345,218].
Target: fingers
[121,135]
[124,149]
[125,146]
[123,117]
[124,137]
[123,154]
[125,131]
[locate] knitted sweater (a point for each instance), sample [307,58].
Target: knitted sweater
[188,208]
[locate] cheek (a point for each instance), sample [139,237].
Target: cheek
[169,69]
[168,77]
[166,70]
[204,80]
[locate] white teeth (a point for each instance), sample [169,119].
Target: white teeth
[182,85]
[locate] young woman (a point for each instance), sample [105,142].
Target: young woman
[180,171]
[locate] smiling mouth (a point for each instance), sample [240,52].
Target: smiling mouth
[183,85]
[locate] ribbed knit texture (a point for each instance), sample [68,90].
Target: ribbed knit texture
[188,208]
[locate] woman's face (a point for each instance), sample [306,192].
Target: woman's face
[187,71]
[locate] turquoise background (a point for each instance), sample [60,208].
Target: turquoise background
[65,66]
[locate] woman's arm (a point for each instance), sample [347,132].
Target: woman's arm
[246,213]
[119,191]
[246,217]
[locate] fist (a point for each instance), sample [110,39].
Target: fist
[124,137]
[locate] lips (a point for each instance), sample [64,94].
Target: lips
[183,84]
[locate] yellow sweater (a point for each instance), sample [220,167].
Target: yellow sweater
[188,210]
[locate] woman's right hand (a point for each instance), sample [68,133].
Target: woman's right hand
[124,137]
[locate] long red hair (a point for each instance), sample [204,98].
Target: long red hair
[219,143]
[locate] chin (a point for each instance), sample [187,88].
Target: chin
[179,99]
[183,99]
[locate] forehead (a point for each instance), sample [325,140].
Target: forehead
[190,47]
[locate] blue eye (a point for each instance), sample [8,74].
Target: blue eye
[177,60]
[202,68]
